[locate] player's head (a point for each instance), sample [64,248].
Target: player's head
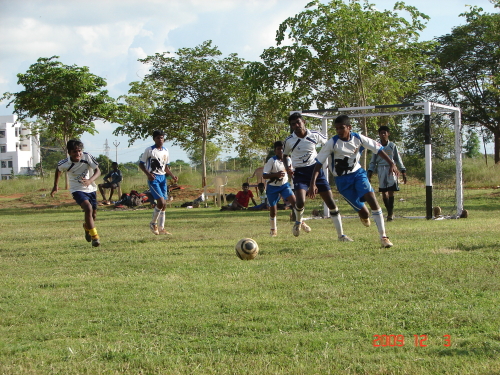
[297,123]
[159,137]
[383,133]
[294,116]
[261,186]
[245,186]
[383,128]
[114,165]
[278,149]
[75,149]
[343,126]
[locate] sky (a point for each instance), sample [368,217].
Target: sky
[109,36]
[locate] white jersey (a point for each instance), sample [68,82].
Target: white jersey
[343,156]
[275,165]
[155,159]
[84,169]
[303,150]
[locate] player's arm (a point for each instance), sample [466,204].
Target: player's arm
[55,188]
[95,176]
[148,174]
[393,168]
[399,163]
[372,166]
[311,192]
[169,172]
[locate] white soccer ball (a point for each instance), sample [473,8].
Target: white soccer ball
[246,249]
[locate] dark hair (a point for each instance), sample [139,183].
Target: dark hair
[114,163]
[156,133]
[278,144]
[343,119]
[294,116]
[73,144]
[260,184]
[245,184]
[382,128]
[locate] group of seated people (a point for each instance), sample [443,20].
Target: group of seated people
[243,197]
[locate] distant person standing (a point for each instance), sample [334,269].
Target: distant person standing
[388,182]
[111,181]
[82,169]
[154,163]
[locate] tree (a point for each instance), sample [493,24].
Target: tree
[345,55]
[193,97]
[66,100]
[212,152]
[469,74]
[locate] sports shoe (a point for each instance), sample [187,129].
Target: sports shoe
[385,242]
[366,222]
[164,231]
[306,228]
[96,242]
[88,237]
[154,228]
[296,229]
[345,238]
[390,218]
[274,232]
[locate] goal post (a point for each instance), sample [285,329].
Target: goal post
[424,108]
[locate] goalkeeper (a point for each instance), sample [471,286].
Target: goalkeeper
[388,182]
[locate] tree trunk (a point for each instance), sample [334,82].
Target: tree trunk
[204,152]
[496,136]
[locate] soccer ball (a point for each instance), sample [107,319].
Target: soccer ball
[246,249]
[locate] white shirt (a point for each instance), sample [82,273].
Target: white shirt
[303,150]
[155,159]
[79,170]
[346,154]
[275,165]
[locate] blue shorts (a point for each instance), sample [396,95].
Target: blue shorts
[353,187]
[302,179]
[274,192]
[158,187]
[80,197]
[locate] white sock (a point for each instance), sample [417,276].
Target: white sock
[378,218]
[337,221]
[298,214]
[161,220]
[156,213]
[272,222]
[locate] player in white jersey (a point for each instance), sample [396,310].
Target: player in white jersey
[154,163]
[301,147]
[387,182]
[343,152]
[277,185]
[82,170]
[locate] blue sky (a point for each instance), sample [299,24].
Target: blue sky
[109,36]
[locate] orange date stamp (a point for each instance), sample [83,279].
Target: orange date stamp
[399,340]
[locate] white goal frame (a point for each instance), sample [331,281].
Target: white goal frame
[425,108]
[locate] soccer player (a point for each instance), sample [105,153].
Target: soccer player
[301,147]
[116,178]
[277,185]
[344,151]
[154,163]
[79,166]
[388,182]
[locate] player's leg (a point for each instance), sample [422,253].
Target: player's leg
[112,190]
[161,216]
[157,193]
[378,218]
[101,189]
[88,203]
[334,214]
[390,205]
[273,196]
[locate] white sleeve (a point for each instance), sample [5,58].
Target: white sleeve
[145,155]
[370,144]
[268,167]
[325,152]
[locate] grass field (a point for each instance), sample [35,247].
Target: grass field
[145,304]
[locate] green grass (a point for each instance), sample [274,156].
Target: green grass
[145,304]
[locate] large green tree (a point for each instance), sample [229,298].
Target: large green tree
[469,74]
[193,96]
[341,54]
[65,100]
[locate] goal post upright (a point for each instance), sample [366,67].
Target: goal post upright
[426,108]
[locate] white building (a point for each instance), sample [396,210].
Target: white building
[19,151]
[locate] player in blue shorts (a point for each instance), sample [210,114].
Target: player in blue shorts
[277,185]
[154,163]
[343,152]
[301,147]
[82,169]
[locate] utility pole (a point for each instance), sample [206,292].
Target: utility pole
[106,148]
[116,144]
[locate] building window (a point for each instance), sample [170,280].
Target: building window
[5,177]
[4,164]
[2,133]
[3,149]
[9,164]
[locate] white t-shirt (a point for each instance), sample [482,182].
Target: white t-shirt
[79,170]
[346,154]
[155,159]
[303,150]
[275,165]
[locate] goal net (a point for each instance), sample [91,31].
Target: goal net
[431,151]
